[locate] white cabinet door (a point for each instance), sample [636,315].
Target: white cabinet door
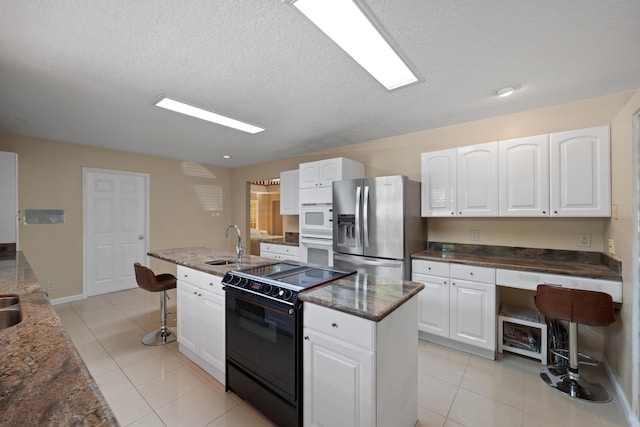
[8,197]
[328,171]
[580,172]
[338,383]
[212,330]
[290,192]
[187,315]
[438,169]
[473,313]
[433,310]
[309,173]
[477,180]
[524,176]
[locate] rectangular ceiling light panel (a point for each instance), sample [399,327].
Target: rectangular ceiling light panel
[348,26]
[199,113]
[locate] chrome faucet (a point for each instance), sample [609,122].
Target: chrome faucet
[239,248]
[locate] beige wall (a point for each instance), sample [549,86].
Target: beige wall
[401,155]
[50,177]
[624,149]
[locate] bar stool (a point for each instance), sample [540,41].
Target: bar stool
[148,281]
[574,306]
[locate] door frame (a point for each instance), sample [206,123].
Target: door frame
[85,172]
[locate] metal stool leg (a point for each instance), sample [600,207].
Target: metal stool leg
[162,335]
[568,380]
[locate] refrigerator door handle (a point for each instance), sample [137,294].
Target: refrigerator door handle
[365,216]
[357,232]
[378,262]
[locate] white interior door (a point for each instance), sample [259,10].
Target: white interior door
[115,229]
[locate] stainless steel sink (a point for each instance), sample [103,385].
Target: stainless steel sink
[220,262]
[8,301]
[10,317]
[10,313]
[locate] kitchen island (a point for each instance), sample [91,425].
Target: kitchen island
[360,343]
[43,380]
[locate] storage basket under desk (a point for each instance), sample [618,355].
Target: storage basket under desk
[522,324]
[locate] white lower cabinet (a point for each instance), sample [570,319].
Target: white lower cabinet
[458,304]
[201,320]
[357,372]
[276,251]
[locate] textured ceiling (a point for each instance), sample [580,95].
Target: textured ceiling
[87,71]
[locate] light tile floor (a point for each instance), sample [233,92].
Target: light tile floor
[158,386]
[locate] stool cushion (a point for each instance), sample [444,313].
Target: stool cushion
[575,305]
[152,283]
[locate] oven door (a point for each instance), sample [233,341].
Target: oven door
[316,220]
[316,251]
[262,340]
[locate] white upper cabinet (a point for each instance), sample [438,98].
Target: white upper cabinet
[477,180]
[323,172]
[562,174]
[580,172]
[524,176]
[439,183]
[290,192]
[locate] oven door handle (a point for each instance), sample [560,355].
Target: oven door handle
[312,241]
[257,301]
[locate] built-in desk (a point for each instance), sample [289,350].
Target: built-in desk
[461,298]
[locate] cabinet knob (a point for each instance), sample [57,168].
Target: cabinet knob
[195,293]
[471,273]
[429,268]
[544,212]
[453,283]
[199,295]
[306,337]
[334,325]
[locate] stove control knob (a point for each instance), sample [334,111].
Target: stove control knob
[287,294]
[275,291]
[266,289]
[243,282]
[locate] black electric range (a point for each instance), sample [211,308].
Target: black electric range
[263,325]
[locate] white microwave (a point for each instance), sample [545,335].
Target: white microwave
[316,220]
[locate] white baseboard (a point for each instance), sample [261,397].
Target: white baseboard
[66,299]
[632,418]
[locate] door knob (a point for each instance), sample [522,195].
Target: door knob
[140,237]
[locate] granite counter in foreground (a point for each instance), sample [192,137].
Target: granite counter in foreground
[43,380]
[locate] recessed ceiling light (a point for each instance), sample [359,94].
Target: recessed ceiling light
[199,113]
[226,156]
[507,91]
[351,25]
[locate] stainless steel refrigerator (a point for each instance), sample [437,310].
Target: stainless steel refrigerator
[377,225]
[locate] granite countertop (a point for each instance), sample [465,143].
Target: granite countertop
[593,265]
[196,258]
[370,297]
[43,380]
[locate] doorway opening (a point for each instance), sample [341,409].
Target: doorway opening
[265,220]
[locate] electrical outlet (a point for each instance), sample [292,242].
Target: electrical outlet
[612,247]
[475,235]
[585,240]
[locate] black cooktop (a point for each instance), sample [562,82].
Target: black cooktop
[294,275]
